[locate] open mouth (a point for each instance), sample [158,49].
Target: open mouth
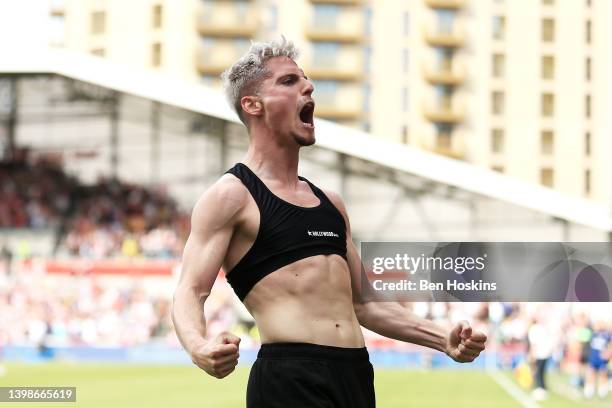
[307,114]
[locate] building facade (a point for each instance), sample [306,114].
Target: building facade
[516,86]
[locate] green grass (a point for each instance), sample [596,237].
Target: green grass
[561,395]
[118,386]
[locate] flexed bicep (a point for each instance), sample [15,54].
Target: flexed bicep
[212,225]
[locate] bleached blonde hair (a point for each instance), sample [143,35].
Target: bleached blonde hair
[245,76]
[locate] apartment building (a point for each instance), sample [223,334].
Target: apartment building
[516,86]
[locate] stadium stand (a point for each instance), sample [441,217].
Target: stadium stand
[107,219]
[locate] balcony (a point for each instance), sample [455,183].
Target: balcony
[446,4]
[212,61]
[335,62]
[341,101]
[341,2]
[444,38]
[245,30]
[345,26]
[449,152]
[445,76]
[446,145]
[334,74]
[211,68]
[223,21]
[444,113]
[334,35]
[337,112]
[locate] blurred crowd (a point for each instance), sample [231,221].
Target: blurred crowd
[50,310]
[122,310]
[59,311]
[106,219]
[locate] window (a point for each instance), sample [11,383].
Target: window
[497,140]
[406,22]
[547,142]
[207,11]
[208,44]
[548,104]
[587,143]
[326,15]
[588,31]
[499,27]
[587,68]
[325,54]
[241,46]
[208,80]
[325,92]
[444,97]
[405,60]
[547,177]
[156,54]
[98,22]
[405,134]
[587,106]
[548,30]
[497,102]
[444,58]
[499,62]
[273,18]
[587,182]
[367,95]
[548,67]
[367,19]
[446,19]
[242,11]
[157,16]
[367,55]
[444,136]
[99,52]
[405,99]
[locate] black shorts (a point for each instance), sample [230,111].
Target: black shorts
[300,375]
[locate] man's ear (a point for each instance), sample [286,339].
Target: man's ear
[252,105]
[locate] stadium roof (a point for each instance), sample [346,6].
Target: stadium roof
[428,166]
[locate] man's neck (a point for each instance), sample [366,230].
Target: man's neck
[273,161]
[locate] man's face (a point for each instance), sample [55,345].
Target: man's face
[288,106]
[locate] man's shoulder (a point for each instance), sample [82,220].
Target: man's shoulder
[229,187]
[226,197]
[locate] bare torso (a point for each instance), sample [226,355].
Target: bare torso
[308,301]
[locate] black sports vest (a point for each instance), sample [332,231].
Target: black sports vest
[287,232]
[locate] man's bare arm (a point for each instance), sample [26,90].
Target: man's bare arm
[212,226]
[393,320]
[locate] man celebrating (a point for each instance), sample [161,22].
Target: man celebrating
[286,246]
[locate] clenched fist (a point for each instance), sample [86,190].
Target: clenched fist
[463,345]
[218,357]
